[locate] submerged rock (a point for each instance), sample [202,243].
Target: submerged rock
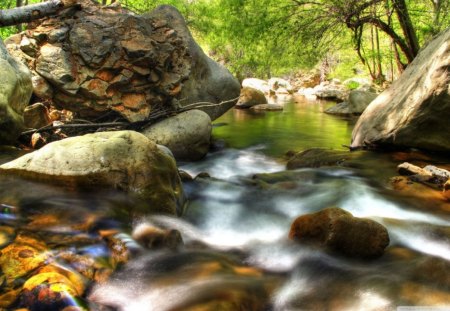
[187,134]
[15,93]
[317,157]
[415,110]
[250,97]
[124,160]
[337,230]
[106,58]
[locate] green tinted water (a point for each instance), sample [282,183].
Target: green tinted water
[301,125]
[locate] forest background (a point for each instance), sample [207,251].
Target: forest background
[333,38]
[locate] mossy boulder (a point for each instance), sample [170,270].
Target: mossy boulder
[124,160]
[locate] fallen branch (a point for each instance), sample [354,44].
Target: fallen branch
[139,125]
[26,14]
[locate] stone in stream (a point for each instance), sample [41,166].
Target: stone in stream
[153,237]
[429,173]
[105,59]
[415,110]
[187,134]
[357,102]
[317,157]
[337,230]
[15,93]
[125,160]
[250,97]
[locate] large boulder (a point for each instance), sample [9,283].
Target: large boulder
[250,97]
[124,160]
[357,102]
[337,230]
[105,58]
[187,134]
[15,93]
[415,110]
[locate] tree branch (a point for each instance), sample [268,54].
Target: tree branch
[32,12]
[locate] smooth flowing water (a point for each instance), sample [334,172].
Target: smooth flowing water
[236,254]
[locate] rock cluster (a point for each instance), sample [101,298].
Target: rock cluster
[105,58]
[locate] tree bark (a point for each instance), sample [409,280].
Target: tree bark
[19,3]
[401,10]
[32,12]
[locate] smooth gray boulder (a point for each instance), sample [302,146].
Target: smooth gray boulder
[187,134]
[15,93]
[357,102]
[415,110]
[124,160]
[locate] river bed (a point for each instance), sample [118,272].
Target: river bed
[236,254]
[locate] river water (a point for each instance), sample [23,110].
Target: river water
[235,253]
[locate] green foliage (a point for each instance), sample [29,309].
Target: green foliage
[276,37]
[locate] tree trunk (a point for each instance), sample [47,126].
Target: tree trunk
[19,3]
[405,22]
[32,12]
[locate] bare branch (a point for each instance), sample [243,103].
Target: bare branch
[32,12]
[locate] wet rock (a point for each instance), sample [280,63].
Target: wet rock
[446,191]
[49,290]
[106,58]
[268,107]
[415,110]
[187,134]
[250,97]
[15,93]
[429,173]
[337,230]
[21,257]
[317,157]
[153,237]
[124,160]
[36,116]
[409,169]
[185,176]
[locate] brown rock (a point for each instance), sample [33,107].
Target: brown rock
[36,116]
[106,58]
[250,97]
[153,237]
[338,230]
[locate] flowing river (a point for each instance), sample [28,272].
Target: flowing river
[236,254]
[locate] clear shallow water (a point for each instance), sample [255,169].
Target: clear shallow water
[236,254]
